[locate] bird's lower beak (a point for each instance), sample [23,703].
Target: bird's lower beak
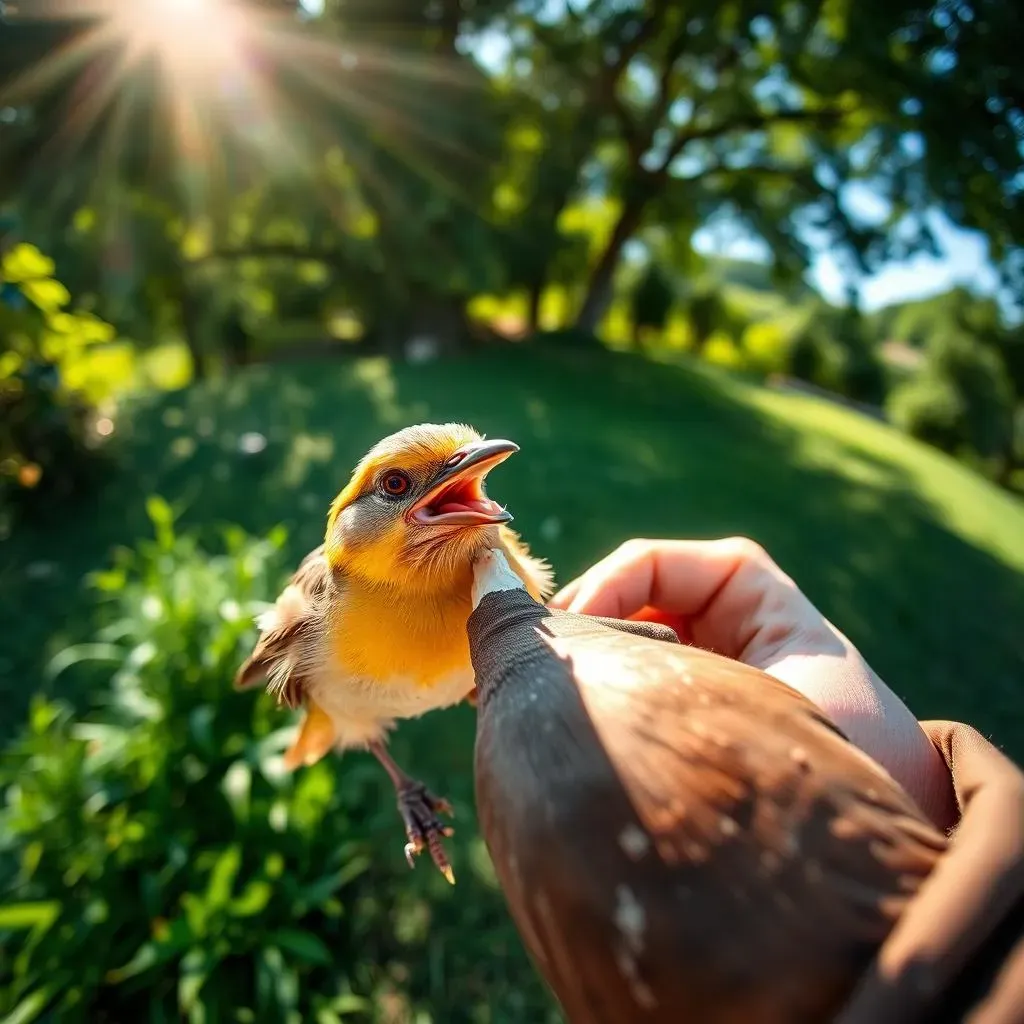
[456,496]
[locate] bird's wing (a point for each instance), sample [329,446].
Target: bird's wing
[288,631]
[692,827]
[535,572]
[763,769]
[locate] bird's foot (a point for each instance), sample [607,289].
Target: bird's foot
[419,809]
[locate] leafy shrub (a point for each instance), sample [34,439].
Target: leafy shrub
[861,375]
[962,402]
[808,359]
[707,313]
[721,350]
[766,347]
[48,441]
[158,864]
[930,409]
[832,351]
[651,302]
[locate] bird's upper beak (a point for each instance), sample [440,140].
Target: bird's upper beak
[456,496]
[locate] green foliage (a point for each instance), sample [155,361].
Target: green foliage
[832,350]
[429,165]
[807,360]
[766,347]
[962,400]
[860,372]
[49,449]
[707,312]
[931,409]
[653,298]
[721,350]
[157,861]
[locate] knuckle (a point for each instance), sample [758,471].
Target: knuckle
[634,549]
[748,550]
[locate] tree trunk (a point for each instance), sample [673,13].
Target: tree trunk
[599,288]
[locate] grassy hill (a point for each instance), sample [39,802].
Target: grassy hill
[912,555]
[916,559]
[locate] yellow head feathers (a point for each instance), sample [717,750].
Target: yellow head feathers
[415,511]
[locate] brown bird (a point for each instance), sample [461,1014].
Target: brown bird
[680,837]
[372,626]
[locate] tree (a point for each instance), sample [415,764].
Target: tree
[832,349]
[962,400]
[652,300]
[764,113]
[420,174]
[707,313]
[396,123]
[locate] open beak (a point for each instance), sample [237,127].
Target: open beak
[456,496]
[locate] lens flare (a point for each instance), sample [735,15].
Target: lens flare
[211,100]
[193,39]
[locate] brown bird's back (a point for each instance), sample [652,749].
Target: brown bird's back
[681,837]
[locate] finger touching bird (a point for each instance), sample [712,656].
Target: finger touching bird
[371,628]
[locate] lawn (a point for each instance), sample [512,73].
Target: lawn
[920,562]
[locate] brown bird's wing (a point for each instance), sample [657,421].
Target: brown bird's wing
[684,838]
[288,632]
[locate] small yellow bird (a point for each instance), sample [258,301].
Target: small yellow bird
[372,626]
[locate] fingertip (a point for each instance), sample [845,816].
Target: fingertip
[562,599]
[597,600]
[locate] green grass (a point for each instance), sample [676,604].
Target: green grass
[918,560]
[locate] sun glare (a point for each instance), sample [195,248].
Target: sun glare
[191,38]
[229,89]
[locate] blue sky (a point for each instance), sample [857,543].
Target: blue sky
[964,261]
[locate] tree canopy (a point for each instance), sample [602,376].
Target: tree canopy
[444,148]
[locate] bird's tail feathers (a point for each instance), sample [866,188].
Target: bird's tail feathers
[316,737]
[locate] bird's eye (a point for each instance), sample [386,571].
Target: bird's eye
[394,484]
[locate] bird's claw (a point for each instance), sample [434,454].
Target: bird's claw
[419,809]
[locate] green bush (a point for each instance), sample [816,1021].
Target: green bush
[651,302]
[832,351]
[766,347]
[807,358]
[929,408]
[49,447]
[158,864]
[961,402]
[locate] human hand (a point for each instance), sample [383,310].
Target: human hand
[730,597]
[960,943]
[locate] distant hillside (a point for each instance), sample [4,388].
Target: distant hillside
[914,321]
[753,276]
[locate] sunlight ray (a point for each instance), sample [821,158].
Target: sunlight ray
[240,91]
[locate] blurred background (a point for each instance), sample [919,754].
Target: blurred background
[718,267]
